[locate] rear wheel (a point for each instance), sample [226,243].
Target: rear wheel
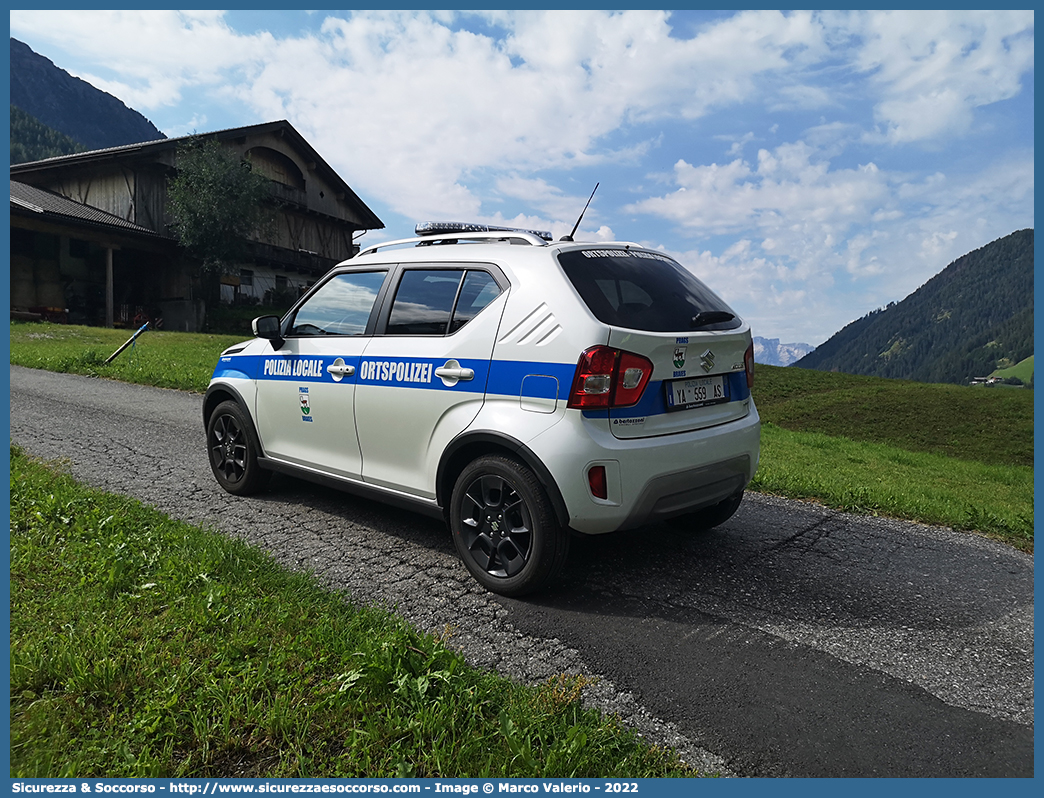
[233,448]
[708,517]
[504,527]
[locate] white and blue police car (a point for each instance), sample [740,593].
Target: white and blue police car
[521,388]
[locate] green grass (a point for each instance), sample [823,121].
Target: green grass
[165,359]
[994,427]
[939,454]
[879,479]
[1023,370]
[141,646]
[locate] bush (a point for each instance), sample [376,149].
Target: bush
[235,319]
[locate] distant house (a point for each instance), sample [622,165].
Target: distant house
[90,236]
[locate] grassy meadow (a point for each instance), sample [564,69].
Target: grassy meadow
[941,454]
[165,359]
[986,425]
[1023,370]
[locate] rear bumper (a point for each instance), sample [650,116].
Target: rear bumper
[669,495]
[648,479]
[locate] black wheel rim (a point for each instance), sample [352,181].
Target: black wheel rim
[228,449]
[496,526]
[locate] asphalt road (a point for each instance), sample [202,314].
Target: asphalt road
[791,641]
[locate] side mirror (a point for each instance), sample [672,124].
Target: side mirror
[267,327]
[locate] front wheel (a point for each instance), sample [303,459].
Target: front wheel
[233,448]
[504,528]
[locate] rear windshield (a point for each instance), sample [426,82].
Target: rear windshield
[644,291]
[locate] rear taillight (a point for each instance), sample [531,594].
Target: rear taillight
[607,377]
[748,364]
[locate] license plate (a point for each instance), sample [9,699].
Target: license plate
[687,394]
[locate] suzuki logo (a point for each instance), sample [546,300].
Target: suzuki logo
[707,360]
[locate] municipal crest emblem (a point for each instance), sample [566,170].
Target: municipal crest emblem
[679,357]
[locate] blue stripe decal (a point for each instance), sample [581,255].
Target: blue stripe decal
[506,377]
[501,377]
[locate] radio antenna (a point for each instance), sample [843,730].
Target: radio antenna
[575,226]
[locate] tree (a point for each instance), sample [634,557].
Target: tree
[32,140]
[217,204]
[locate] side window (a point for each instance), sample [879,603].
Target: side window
[439,301]
[340,307]
[424,302]
[479,290]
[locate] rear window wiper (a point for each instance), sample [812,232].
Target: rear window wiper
[708,317]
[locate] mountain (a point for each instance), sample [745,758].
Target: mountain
[772,353]
[72,106]
[973,317]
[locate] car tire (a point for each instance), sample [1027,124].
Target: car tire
[504,527]
[708,517]
[233,448]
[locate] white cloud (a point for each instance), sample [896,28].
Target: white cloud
[931,69]
[787,183]
[157,53]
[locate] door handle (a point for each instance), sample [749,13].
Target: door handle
[452,373]
[339,370]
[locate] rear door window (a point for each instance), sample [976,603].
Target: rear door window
[479,290]
[424,302]
[644,291]
[439,301]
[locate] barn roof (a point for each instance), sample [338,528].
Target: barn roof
[370,221]
[46,203]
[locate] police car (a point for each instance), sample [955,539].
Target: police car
[523,389]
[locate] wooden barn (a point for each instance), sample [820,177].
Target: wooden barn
[91,242]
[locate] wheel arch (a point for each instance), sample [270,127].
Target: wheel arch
[218,393]
[465,448]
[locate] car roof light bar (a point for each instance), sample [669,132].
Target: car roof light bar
[444,228]
[521,237]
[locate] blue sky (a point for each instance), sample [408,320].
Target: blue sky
[809,166]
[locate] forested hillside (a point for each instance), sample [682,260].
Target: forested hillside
[32,140]
[973,317]
[72,106]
